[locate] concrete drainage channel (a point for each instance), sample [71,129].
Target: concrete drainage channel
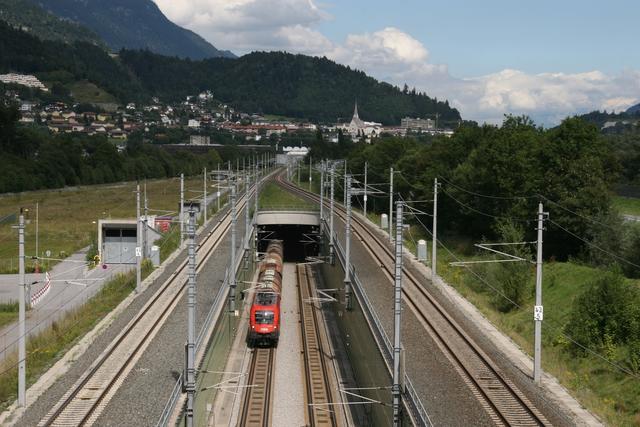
[213,342]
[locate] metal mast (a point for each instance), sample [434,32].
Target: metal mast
[391,207]
[191,327]
[232,268]
[538,312]
[331,202]
[347,269]
[397,317]
[366,164]
[181,210]
[138,242]
[434,243]
[22,329]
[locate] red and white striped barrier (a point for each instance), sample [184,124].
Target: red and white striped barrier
[38,296]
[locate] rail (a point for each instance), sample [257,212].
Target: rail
[221,298]
[504,402]
[412,401]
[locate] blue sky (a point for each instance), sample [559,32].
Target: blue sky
[481,37]
[547,59]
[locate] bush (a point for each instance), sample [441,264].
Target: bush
[513,278]
[606,314]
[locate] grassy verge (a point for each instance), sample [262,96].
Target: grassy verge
[68,217]
[84,91]
[603,389]
[44,349]
[627,205]
[8,313]
[274,197]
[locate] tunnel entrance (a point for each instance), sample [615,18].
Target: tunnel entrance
[300,241]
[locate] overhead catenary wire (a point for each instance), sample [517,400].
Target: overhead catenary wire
[554,325]
[487,196]
[593,245]
[479,212]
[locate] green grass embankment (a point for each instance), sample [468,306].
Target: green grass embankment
[68,217]
[8,313]
[626,205]
[272,196]
[598,385]
[44,349]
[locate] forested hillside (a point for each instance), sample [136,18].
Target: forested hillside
[58,62]
[33,159]
[35,20]
[270,83]
[287,84]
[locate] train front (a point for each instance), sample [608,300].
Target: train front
[264,322]
[265,319]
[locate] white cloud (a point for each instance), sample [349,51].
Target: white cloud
[246,25]
[395,56]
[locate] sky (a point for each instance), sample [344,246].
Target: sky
[546,59]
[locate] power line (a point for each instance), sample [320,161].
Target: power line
[483,213]
[487,196]
[594,245]
[556,327]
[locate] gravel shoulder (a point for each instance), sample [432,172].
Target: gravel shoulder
[145,384]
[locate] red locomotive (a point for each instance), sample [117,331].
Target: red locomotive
[264,320]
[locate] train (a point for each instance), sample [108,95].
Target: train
[264,320]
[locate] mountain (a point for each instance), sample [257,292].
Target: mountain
[271,83]
[134,24]
[60,65]
[285,84]
[33,19]
[633,110]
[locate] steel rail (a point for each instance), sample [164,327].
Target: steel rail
[89,405]
[504,401]
[317,381]
[256,410]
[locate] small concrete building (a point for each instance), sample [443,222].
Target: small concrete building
[117,242]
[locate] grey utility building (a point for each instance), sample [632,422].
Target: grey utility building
[117,242]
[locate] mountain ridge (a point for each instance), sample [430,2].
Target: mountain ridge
[271,83]
[134,24]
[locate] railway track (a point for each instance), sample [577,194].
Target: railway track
[503,401]
[319,399]
[256,410]
[86,399]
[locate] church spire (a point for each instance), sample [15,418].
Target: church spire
[355,112]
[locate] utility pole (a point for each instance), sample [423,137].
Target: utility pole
[247,222]
[434,243]
[255,210]
[232,268]
[344,203]
[366,164]
[191,327]
[310,179]
[397,314]
[347,268]
[538,311]
[331,194]
[391,206]
[321,194]
[145,224]
[22,329]
[138,242]
[37,227]
[218,187]
[298,164]
[181,210]
[205,195]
